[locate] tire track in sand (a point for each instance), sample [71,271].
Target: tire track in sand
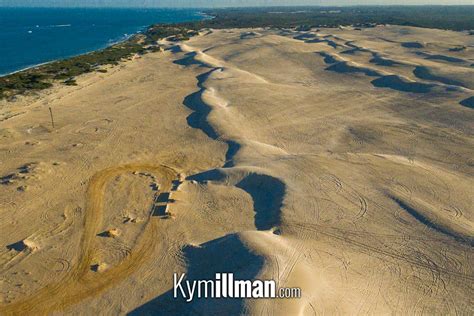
[80,282]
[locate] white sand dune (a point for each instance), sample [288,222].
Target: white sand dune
[338,161]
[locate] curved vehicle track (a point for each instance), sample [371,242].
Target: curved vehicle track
[80,282]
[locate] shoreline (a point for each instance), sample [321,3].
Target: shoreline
[72,56]
[41,76]
[204,16]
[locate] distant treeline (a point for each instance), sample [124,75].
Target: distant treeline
[455,18]
[65,71]
[42,77]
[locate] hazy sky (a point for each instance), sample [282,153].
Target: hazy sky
[215,3]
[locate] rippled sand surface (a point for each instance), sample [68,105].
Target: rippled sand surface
[339,161]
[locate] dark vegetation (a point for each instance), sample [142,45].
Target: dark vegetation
[66,70]
[177,33]
[441,17]
[455,18]
[42,77]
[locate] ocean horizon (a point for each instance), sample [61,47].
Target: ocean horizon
[34,36]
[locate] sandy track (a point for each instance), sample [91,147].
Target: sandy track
[80,283]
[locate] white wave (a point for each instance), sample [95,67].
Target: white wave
[61,25]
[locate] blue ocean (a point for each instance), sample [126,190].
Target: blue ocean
[31,36]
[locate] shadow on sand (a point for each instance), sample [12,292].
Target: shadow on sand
[344,67]
[381,61]
[328,58]
[201,110]
[233,149]
[267,193]
[469,102]
[188,60]
[17,246]
[198,119]
[441,57]
[426,74]
[412,45]
[226,254]
[420,217]
[396,83]
[384,81]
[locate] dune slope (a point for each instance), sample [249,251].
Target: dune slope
[337,161]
